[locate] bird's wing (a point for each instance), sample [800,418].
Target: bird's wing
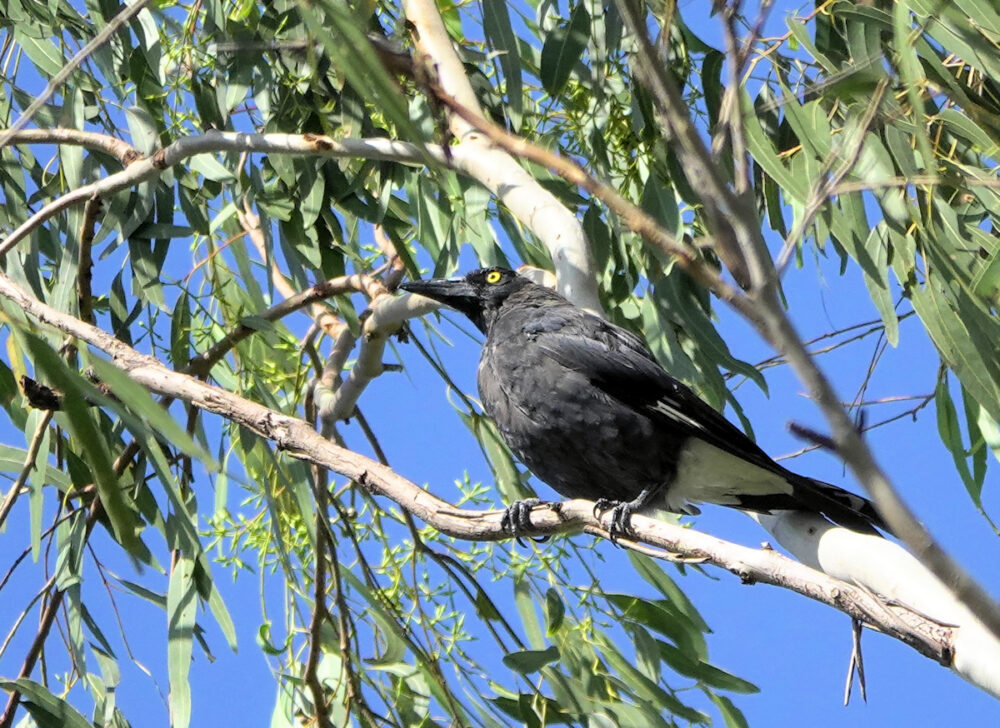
[617,362]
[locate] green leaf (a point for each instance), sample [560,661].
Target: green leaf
[500,34]
[563,48]
[48,710]
[152,231]
[525,603]
[703,672]
[42,52]
[660,616]
[761,146]
[36,482]
[658,200]
[878,287]
[12,460]
[210,168]
[951,436]
[732,715]
[711,79]
[990,431]
[652,572]
[91,443]
[526,708]
[182,603]
[986,282]
[645,690]
[501,463]
[180,332]
[143,128]
[529,661]
[555,611]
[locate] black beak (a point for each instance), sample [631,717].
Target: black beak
[457,293]
[452,292]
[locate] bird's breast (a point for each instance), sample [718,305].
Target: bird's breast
[572,435]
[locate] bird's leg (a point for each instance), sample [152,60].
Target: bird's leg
[517,518]
[621,511]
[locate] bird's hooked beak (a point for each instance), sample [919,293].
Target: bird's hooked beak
[455,292]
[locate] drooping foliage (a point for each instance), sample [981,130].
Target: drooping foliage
[872,130]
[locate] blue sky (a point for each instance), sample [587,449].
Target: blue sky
[795,650]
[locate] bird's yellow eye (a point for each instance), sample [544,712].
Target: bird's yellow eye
[494,276]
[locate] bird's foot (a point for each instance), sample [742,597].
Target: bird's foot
[517,519]
[621,516]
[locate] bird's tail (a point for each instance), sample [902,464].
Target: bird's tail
[840,506]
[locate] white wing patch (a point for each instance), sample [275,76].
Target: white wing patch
[675,414]
[706,474]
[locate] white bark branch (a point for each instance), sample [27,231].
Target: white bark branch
[535,207]
[884,568]
[122,151]
[388,313]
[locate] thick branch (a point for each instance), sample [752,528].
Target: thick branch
[386,317]
[300,440]
[535,207]
[632,215]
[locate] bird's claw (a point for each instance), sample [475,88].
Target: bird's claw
[517,519]
[621,517]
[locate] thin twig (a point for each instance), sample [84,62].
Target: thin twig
[48,616]
[84,276]
[731,113]
[29,465]
[126,14]
[319,614]
[120,150]
[828,183]
[148,168]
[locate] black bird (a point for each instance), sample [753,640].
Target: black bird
[587,408]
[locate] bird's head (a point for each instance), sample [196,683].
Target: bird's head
[479,294]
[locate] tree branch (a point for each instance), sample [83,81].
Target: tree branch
[29,465]
[120,150]
[102,37]
[535,207]
[773,323]
[211,142]
[201,364]
[929,636]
